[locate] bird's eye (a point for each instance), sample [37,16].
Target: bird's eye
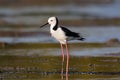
[51,20]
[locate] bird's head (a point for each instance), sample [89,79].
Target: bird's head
[52,21]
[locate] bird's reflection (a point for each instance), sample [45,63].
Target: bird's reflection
[64,78]
[62,74]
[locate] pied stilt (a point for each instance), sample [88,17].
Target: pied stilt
[63,35]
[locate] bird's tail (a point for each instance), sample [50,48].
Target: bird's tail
[82,39]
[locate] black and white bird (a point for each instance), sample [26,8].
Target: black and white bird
[63,35]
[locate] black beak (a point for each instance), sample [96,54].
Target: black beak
[43,25]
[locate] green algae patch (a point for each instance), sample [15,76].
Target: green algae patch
[52,45]
[49,67]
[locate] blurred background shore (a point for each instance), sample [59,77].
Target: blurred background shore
[50,2]
[97,20]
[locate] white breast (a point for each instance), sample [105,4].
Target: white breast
[59,35]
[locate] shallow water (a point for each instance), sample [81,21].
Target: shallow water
[57,52]
[44,61]
[92,34]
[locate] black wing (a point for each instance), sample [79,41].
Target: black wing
[70,33]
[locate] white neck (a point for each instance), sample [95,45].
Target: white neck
[52,26]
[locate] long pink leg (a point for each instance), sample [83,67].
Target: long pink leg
[62,49]
[68,56]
